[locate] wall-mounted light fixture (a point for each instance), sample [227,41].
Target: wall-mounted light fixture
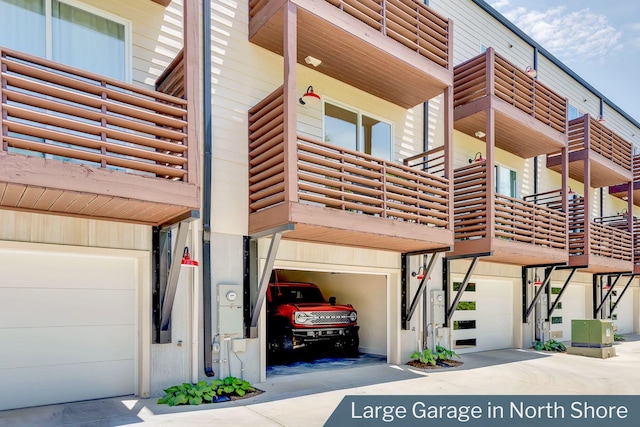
[477,158]
[186,259]
[312,61]
[537,281]
[601,119]
[309,95]
[531,72]
[420,274]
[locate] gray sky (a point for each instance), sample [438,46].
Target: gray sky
[599,40]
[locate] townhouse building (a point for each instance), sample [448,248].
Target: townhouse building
[389,151]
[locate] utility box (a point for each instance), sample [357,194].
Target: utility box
[437,307]
[230,311]
[592,333]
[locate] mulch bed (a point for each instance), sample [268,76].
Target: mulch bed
[439,365]
[248,395]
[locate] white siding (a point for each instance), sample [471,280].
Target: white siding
[473,27]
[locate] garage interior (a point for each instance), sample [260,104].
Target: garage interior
[368,295]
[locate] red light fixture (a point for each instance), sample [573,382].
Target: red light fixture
[309,95]
[477,158]
[531,72]
[537,281]
[186,259]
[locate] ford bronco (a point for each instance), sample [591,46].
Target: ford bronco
[298,316]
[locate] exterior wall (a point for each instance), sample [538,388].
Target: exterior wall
[473,28]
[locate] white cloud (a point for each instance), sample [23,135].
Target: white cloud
[581,35]
[500,4]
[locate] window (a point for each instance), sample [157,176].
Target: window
[471,287]
[466,305]
[68,32]
[354,130]
[464,324]
[506,181]
[573,112]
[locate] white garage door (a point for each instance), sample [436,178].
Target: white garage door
[67,327]
[484,318]
[623,315]
[571,306]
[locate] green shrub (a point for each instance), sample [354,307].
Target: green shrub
[426,356]
[205,392]
[445,354]
[551,345]
[618,337]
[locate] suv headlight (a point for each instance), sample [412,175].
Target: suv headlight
[353,316]
[300,317]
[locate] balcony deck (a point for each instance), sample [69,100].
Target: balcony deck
[604,246]
[530,118]
[397,50]
[607,155]
[79,144]
[622,190]
[514,231]
[336,196]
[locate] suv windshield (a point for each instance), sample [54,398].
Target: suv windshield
[290,294]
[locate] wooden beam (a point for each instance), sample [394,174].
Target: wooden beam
[191,49]
[290,48]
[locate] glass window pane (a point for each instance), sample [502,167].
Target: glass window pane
[340,127]
[377,137]
[22,26]
[84,40]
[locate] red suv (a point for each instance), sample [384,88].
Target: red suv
[298,316]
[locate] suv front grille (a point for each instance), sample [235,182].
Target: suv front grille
[329,317]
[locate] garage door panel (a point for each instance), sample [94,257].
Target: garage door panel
[65,307]
[32,386]
[63,270]
[29,347]
[68,325]
[493,316]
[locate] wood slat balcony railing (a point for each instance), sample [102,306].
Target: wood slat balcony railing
[609,236]
[515,220]
[171,81]
[511,85]
[51,109]
[332,177]
[601,140]
[409,22]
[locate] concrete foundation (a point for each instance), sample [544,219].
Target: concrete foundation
[602,353]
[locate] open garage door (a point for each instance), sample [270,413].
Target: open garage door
[67,326]
[483,319]
[368,295]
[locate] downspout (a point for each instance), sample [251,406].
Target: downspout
[535,159]
[206,189]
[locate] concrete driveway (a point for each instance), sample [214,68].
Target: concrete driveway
[309,399]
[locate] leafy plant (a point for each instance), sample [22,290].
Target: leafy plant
[551,345]
[445,354]
[426,356]
[205,392]
[618,337]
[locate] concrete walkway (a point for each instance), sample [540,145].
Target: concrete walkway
[309,399]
